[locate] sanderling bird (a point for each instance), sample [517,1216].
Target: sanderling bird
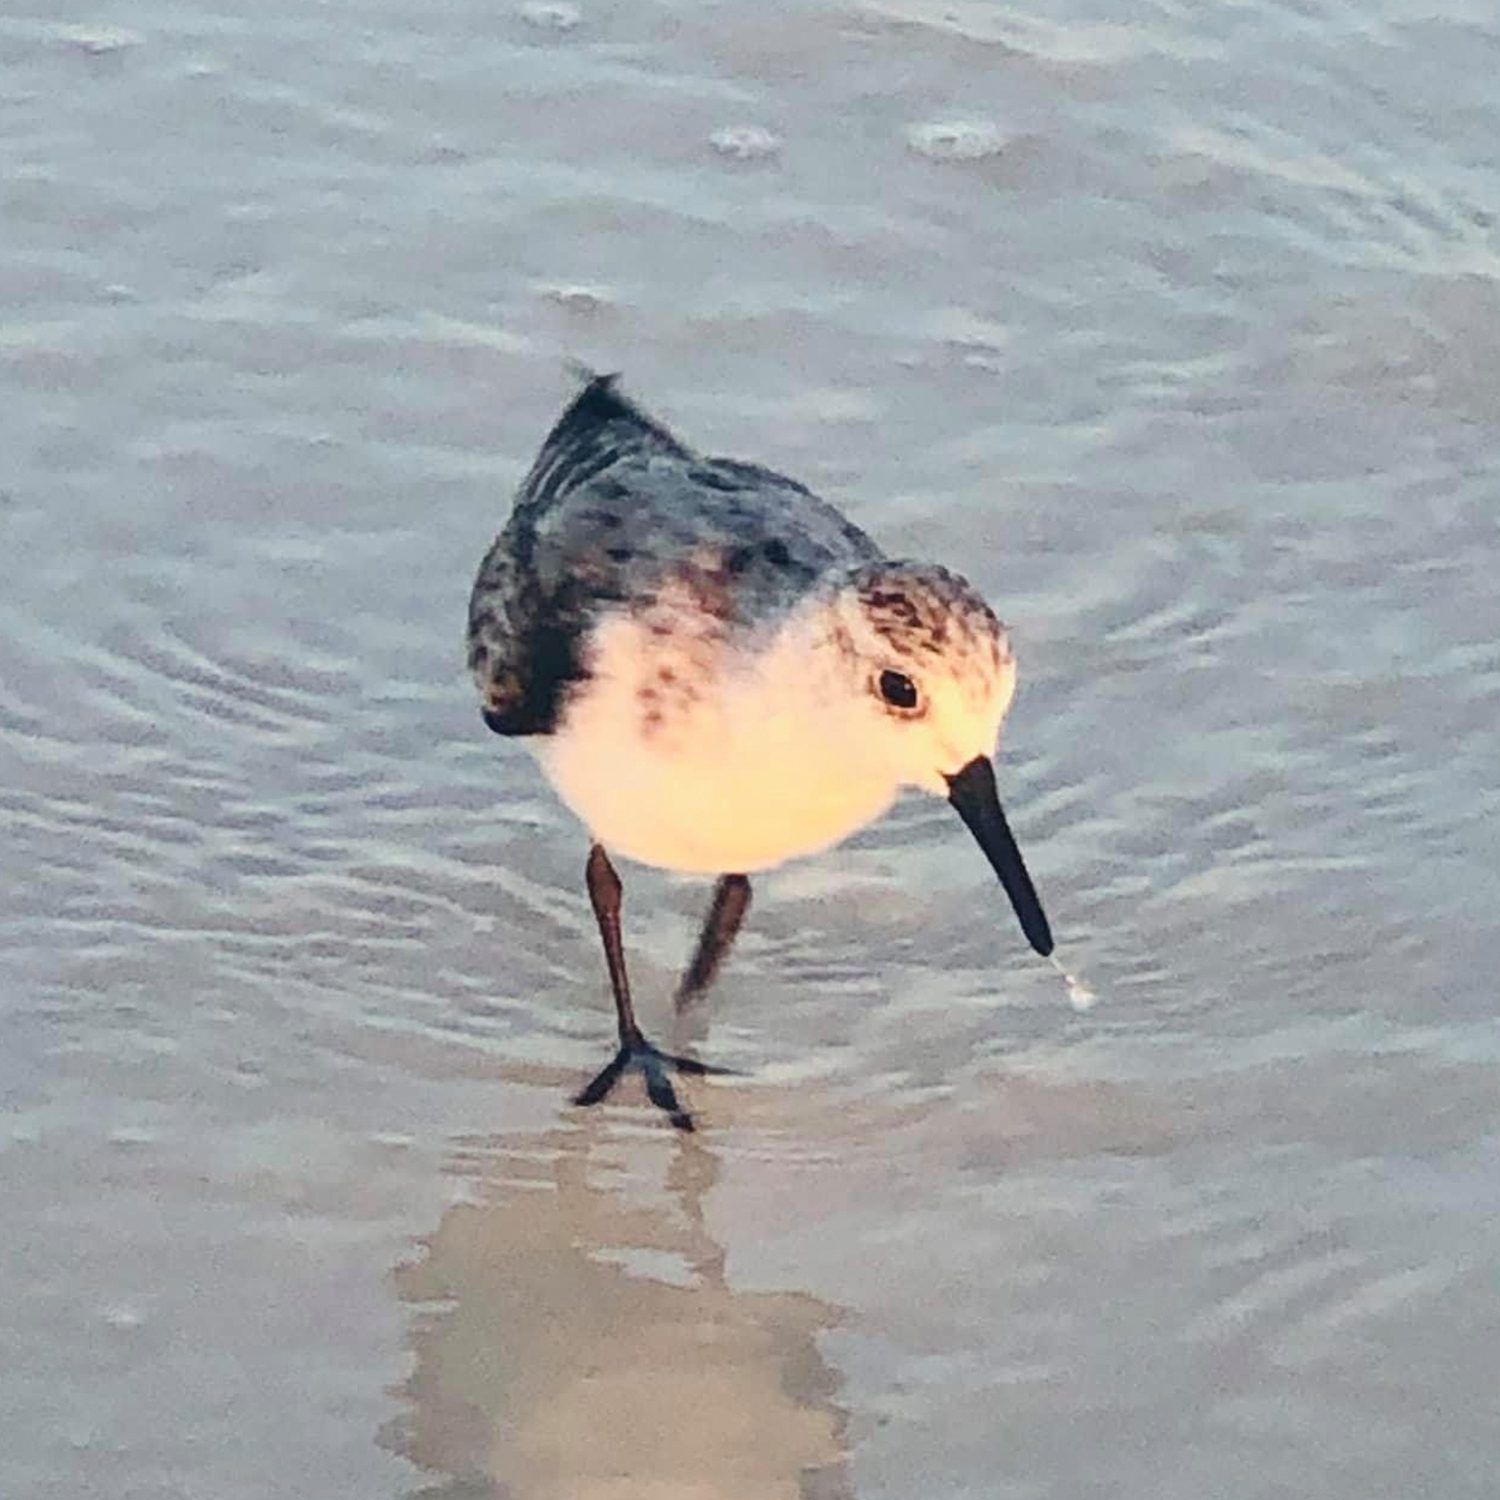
[719,672]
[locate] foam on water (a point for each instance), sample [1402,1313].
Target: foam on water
[956,140]
[745,142]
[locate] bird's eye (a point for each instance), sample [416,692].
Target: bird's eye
[898,689]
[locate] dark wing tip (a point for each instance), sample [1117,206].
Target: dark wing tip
[600,405]
[585,374]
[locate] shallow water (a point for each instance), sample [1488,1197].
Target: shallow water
[1181,337]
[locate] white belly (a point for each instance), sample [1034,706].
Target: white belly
[740,779]
[729,811]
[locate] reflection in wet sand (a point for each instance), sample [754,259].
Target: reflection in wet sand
[576,1339]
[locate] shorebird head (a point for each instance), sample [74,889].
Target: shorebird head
[933,674]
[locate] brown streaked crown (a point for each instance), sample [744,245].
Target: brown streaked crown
[923,609]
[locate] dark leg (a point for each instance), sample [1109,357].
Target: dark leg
[720,927]
[604,892]
[635,1053]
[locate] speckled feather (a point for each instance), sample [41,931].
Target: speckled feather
[615,510]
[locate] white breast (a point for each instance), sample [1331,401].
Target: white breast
[728,763]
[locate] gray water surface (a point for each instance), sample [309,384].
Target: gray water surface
[1177,328]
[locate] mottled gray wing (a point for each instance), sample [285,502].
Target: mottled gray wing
[614,507]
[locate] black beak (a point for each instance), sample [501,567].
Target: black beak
[972,792]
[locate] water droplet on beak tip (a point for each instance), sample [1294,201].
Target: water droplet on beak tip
[1080,996]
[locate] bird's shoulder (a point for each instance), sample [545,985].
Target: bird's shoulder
[616,499]
[614,511]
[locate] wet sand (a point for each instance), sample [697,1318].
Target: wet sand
[1179,337]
